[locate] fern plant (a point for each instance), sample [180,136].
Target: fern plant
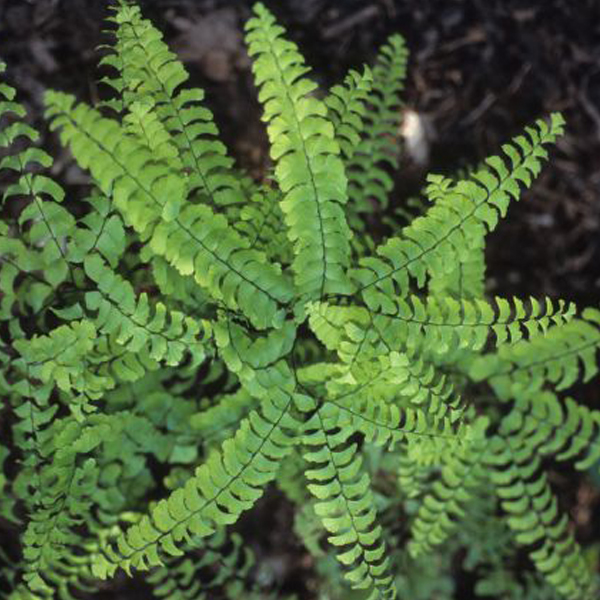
[185,337]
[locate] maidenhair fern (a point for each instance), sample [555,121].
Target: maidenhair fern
[185,337]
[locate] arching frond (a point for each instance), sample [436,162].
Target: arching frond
[376,155]
[559,358]
[346,109]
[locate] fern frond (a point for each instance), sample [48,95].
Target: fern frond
[143,187]
[461,474]
[560,357]
[368,177]
[50,544]
[138,42]
[150,195]
[436,325]
[434,243]
[124,479]
[346,506]
[346,109]
[309,171]
[443,325]
[51,226]
[122,76]
[396,379]
[229,483]
[564,430]
[534,518]
[45,224]
[33,433]
[431,390]
[153,71]
[134,323]
[68,483]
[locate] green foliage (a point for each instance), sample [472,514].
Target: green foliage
[185,337]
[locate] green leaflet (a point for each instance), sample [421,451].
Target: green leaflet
[186,337]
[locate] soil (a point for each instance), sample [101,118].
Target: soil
[480,70]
